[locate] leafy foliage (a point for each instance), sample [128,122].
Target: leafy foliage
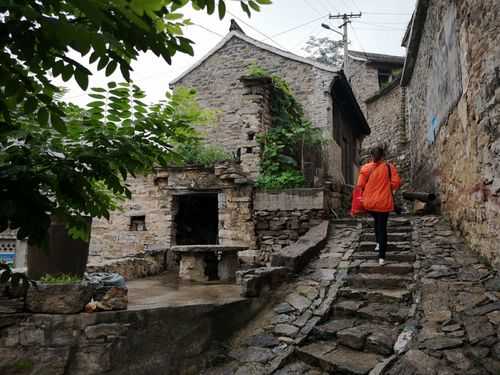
[14,280]
[36,37]
[283,144]
[199,154]
[324,50]
[82,171]
[60,279]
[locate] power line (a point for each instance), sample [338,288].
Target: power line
[299,26]
[327,6]
[256,30]
[310,6]
[207,29]
[388,14]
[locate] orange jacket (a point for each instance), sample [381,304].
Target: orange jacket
[377,189]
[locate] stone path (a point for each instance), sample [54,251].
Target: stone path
[458,310]
[433,309]
[371,309]
[266,345]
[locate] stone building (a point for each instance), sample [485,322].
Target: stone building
[220,205]
[452,81]
[371,72]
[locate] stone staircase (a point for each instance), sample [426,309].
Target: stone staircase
[371,308]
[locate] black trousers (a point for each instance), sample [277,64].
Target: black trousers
[381,231]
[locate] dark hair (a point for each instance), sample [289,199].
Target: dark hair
[377,153]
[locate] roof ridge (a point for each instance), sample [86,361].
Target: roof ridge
[258,44]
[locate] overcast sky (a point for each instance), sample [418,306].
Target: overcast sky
[286,24]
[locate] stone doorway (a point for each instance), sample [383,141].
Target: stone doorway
[197,218]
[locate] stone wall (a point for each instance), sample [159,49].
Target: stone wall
[364,81]
[455,147]
[154,197]
[386,116]
[219,85]
[281,218]
[168,340]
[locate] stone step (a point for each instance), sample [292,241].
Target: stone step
[337,359]
[377,295]
[389,268]
[345,221]
[373,312]
[369,337]
[391,246]
[396,256]
[378,281]
[391,236]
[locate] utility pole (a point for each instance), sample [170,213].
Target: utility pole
[347,20]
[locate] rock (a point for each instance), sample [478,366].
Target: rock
[478,329]
[283,308]
[263,341]
[105,330]
[286,330]
[353,337]
[58,298]
[295,368]
[482,310]
[495,351]
[302,320]
[252,354]
[298,301]
[380,342]
[329,330]
[11,305]
[281,318]
[415,362]
[493,284]
[451,328]
[308,291]
[494,317]
[404,338]
[442,342]
[114,299]
[250,369]
[458,359]
[477,352]
[492,366]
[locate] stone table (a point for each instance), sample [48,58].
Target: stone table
[195,261]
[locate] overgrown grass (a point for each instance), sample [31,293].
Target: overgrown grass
[198,154]
[60,279]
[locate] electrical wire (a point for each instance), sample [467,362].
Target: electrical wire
[256,30]
[299,26]
[207,29]
[313,8]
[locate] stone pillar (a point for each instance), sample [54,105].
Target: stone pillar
[255,115]
[21,251]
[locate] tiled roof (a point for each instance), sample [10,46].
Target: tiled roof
[376,57]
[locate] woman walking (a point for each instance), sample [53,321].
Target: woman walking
[378,180]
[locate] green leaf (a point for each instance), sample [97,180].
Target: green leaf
[103,61]
[246,9]
[222,9]
[82,78]
[111,68]
[43,116]
[67,72]
[30,105]
[264,2]
[210,6]
[174,16]
[57,123]
[254,5]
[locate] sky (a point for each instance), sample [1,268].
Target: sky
[286,24]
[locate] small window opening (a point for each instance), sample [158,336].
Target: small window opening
[384,77]
[248,150]
[251,136]
[137,223]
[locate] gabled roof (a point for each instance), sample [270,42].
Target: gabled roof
[413,40]
[258,44]
[376,57]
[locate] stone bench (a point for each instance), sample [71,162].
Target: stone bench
[208,262]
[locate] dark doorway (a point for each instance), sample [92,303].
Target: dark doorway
[197,219]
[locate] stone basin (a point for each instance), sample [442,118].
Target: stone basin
[208,262]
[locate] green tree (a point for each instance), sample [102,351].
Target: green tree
[37,35]
[82,172]
[324,50]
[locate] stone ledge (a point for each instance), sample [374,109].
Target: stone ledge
[297,255]
[256,280]
[151,262]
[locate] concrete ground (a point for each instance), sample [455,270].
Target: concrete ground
[167,290]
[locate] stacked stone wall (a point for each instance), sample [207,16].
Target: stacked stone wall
[460,156]
[364,81]
[278,229]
